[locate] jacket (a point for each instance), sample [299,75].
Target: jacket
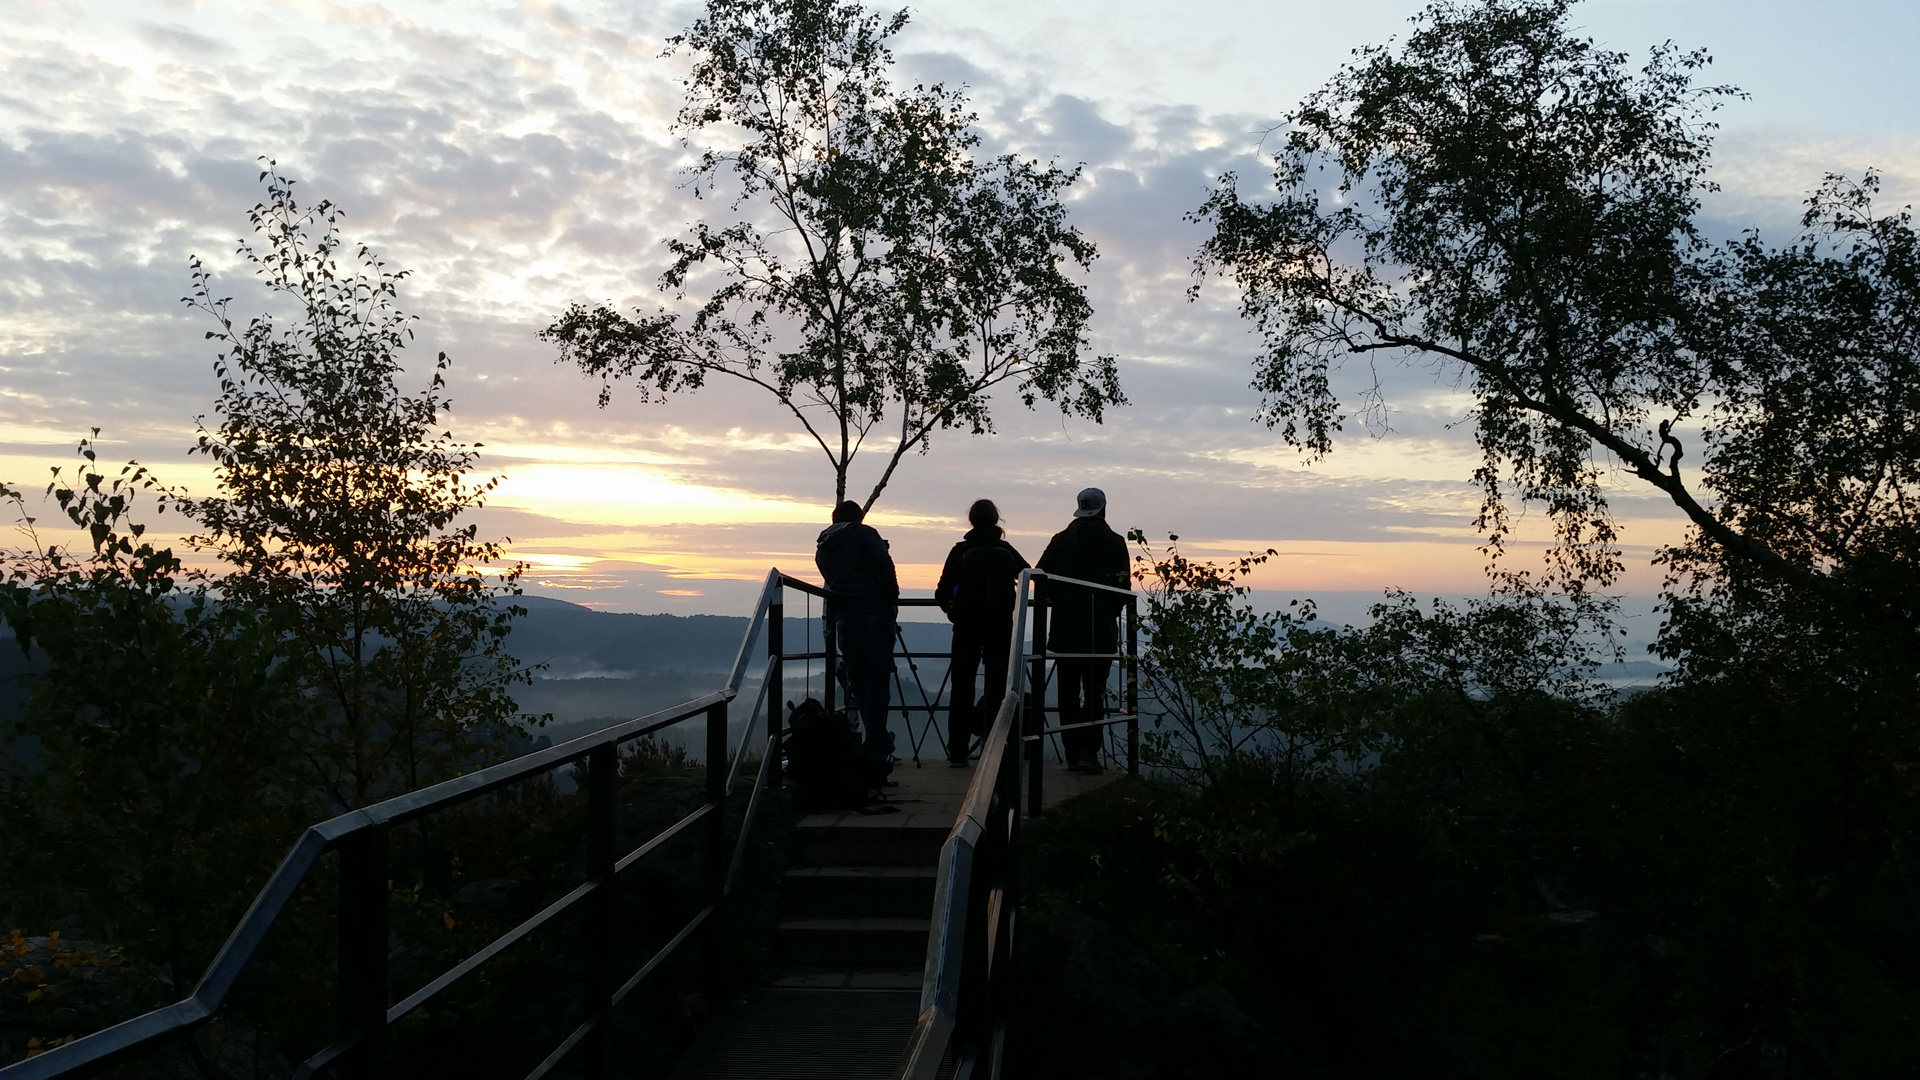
[857,570]
[977,582]
[1081,619]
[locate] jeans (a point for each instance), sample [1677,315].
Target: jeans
[975,644]
[865,641]
[1083,700]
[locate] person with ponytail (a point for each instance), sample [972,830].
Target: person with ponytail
[976,590]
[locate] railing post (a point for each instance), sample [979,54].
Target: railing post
[973,1020]
[362,1003]
[596,965]
[777,676]
[1036,718]
[1133,686]
[716,826]
[1010,904]
[830,662]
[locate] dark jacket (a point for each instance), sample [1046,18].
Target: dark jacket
[1081,619]
[856,569]
[977,582]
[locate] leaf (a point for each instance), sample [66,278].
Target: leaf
[447,917]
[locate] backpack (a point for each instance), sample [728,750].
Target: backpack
[984,586]
[827,763]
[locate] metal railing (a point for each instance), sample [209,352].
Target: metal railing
[365,1008]
[967,989]
[1034,668]
[966,998]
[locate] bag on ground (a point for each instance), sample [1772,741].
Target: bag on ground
[826,762]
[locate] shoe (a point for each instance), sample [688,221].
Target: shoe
[1092,768]
[959,763]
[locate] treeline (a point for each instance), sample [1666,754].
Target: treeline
[339,638]
[1436,845]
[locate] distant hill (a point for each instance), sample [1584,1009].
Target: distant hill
[604,667]
[576,642]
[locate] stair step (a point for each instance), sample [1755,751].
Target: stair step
[849,944]
[905,844]
[855,891]
[780,1031]
[820,979]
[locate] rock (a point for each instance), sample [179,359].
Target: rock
[485,896]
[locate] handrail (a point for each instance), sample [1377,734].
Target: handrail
[969,949]
[967,985]
[753,721]
[767,593]
[91,1053]
[1042,575]
[953,886]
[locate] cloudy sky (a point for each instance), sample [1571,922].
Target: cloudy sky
[516,157]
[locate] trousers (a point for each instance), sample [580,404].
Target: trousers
[1083,700]
[976,644]
[865,641]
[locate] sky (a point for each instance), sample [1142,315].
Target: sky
[518,157]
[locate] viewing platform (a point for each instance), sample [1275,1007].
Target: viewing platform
[893,934]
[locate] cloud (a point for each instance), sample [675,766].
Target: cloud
[517,159]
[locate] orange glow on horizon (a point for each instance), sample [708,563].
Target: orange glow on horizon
[612,525]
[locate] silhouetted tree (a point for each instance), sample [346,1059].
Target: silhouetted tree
[1813,448]
[1504,198]
[873,274]
[145,776]
[340,504]
[1514,206]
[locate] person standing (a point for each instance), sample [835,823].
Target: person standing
[976,590]
[863,602]
[1083,620]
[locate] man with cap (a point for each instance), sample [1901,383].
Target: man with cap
[1083,620]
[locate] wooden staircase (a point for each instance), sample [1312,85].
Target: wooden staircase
[856,907]
[857,900]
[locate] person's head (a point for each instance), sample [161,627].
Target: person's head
[983,514]
[848,511]
[1092,503]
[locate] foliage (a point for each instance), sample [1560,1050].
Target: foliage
[1214,670]
[156,713]
[1518,206]
[180,726]
[1527,876]
[650,754]
[340,507]
[1228,681]
[1515,203]
[894,278]
[1816,450]
[40,977]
